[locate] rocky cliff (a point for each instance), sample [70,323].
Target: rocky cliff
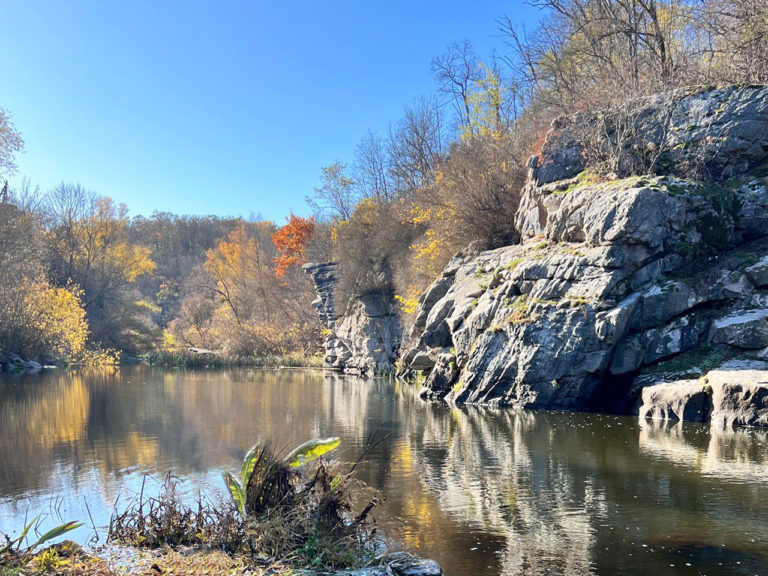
[365,338]
[621,283]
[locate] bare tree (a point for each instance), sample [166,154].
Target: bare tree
[455,70]
[415,145]
[733,37]
[371,168]
[10,144]
[336,197]
[592,53]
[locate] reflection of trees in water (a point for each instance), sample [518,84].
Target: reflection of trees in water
[138,418]
[39,423]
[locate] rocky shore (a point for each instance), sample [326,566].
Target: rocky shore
[11,362]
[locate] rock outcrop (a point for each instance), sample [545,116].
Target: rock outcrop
[615,277]
[736,394]
[365,338]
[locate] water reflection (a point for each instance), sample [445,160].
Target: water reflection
[481,491]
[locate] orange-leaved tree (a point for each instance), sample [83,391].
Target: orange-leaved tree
[291,242]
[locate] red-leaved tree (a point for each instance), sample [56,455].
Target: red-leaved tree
[291,242]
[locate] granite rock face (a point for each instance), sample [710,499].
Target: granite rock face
[716,132]
[615,277]
[364,339]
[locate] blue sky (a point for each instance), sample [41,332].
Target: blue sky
[227,108]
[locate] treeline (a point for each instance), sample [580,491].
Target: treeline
[80,281]
[78,277]
[449,172]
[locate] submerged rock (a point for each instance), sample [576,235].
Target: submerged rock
[400,564]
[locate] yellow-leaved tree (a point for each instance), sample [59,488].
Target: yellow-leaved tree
[90,248]
[54,321]
[243,306]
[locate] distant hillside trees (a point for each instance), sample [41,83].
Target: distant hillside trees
[249,297]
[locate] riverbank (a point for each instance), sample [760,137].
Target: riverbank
[69,559]
[192,358]
[289,513]
[201,358]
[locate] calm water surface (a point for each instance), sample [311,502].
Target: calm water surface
[481,491]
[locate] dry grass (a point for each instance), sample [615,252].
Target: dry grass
[166,520]
[303,517]
[67,559]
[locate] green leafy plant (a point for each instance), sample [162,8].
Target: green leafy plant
[271,473]
[311,450]
[50,535]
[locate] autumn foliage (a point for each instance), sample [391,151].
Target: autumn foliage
[242,303]
[292,241]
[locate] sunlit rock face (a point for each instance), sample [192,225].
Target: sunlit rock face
[735,395]
[365,338]
[616,279]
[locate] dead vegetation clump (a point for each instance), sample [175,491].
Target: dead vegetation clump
[295,510]
[166,520]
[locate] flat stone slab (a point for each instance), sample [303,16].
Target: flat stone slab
[688,400]
[728,397]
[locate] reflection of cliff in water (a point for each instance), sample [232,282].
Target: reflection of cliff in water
[567,491]
[739,455]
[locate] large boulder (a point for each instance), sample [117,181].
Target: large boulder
[734,395]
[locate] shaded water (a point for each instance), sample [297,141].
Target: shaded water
[481,491]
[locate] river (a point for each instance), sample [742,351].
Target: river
[481,491]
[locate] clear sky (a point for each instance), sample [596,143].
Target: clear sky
[218,107]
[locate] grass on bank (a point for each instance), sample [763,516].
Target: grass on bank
[291,509]
[211,359]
